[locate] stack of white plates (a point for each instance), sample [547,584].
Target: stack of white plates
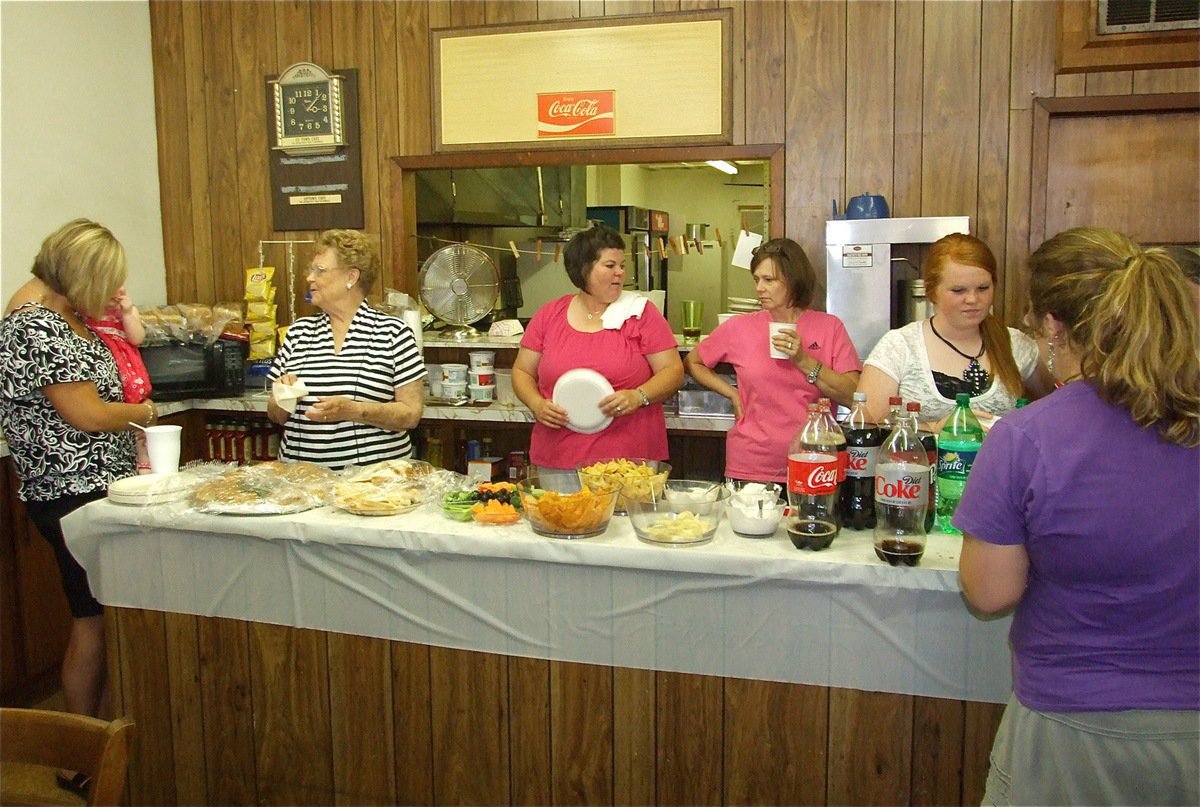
[149,489]
[742,305]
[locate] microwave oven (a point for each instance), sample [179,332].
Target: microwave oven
[196,369]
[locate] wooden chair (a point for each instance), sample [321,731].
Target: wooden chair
[64,740]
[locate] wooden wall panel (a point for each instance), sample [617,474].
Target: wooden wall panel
[581,734]
[145,688]
[183,671]
[937,760]
[690,737]
[867,763]
[530,730]
[980,722]
[293,753]
[950,158]
[909,71]
[411,692]
[816,121]
[928,78]
[992,200]
[634,713]
[362,733]
[225,702]
[470,727]
[775,743]
[870,101]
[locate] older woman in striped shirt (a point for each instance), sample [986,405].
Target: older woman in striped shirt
[362,368]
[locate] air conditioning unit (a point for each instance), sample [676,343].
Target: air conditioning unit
[1129,16]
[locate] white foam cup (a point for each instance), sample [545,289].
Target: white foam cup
[163,444]
[454,374]
[483,392]
[772,329]
[482,359]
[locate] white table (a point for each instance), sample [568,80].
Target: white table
[745,608]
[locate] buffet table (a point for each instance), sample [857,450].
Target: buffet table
[323,657]
[746,608]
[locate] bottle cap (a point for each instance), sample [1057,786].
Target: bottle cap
[895,400]
[860,396]
[913,406]
[963,399]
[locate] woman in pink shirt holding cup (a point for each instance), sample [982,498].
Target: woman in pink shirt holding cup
[784,356]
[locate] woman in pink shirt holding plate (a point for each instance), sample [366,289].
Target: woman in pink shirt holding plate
[614,353]
[785,356]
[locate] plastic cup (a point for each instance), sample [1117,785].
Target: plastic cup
[692,312]
[482,359]
[483,378]
[454,374]
[162,445]
[483,392]
[772,329]
[454,389]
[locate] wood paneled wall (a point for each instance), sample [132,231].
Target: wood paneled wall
[929,103]
[232,712]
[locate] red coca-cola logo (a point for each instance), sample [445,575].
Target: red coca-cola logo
[812,473]
[583,108]
[822,477]
[574,114]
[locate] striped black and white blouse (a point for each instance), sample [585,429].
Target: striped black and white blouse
[378,355]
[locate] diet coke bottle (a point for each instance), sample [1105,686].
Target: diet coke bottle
[863,439]
[901,495]
[813,483]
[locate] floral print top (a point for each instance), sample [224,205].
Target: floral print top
[52,457]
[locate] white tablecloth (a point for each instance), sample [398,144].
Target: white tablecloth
[746,608]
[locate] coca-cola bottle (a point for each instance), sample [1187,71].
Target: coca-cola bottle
[812,482]
[901,495]
[839,439]
[863,439]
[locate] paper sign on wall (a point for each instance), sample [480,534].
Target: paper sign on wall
[744,250]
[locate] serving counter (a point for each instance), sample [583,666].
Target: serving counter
[323,656]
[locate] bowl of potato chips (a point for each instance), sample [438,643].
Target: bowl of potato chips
[639,479]
[563,506]
[684,513]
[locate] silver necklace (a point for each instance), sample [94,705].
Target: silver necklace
[591,314]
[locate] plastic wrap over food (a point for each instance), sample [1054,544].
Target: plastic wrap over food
[269,488]
[386,488]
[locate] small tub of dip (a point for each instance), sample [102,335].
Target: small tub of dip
[482,392]
[484,378]
[755,509]
[482,359]
[454,373]
[454,389]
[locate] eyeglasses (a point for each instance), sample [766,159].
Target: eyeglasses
[769,248]
[316,270]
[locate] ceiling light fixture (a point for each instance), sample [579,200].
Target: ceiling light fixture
[722,165]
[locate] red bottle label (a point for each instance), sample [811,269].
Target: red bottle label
[813,474]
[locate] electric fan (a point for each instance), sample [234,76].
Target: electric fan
[459,284]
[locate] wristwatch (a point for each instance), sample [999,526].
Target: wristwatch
[814,373]
[645,397]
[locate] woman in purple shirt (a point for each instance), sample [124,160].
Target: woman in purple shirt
[1082,512]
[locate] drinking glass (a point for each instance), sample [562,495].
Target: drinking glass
[693,313]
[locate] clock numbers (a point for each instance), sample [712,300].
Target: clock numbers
[308,111]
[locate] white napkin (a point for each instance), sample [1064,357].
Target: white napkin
[629,304]
[286,395]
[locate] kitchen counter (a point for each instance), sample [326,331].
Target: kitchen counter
[256,402]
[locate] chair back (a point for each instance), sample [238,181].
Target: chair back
[95,747]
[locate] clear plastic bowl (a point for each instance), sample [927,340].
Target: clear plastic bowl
[639,478]
[561,506]
[685,513]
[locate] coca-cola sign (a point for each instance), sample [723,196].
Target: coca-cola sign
[576,114]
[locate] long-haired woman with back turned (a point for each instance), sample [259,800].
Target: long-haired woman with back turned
[1083,512]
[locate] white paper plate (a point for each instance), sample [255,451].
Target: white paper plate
[579,392]
[147,489]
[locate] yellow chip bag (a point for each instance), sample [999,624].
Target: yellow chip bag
[258,284]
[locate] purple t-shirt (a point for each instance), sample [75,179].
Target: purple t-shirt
[618,355]
[1110,516]
[775,393]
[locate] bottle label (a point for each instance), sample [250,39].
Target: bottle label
[955,463]
[812,474]
[861,461]
[901,484]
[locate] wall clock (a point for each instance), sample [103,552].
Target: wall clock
[308,111]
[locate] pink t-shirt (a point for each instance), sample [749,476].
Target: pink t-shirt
[774,392]
[618,355]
